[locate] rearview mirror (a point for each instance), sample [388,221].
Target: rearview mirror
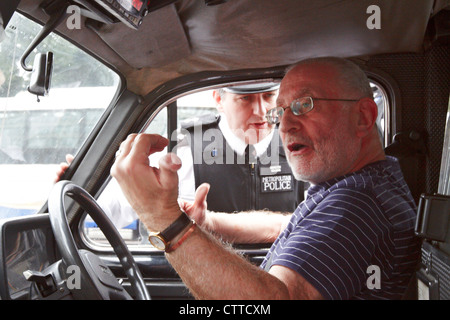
[41,74]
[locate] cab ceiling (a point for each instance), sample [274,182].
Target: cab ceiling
[187,36]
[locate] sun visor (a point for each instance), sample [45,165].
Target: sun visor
[159,41]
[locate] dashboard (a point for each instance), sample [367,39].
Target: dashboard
[27,243]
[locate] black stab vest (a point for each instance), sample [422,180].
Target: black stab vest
[239,184]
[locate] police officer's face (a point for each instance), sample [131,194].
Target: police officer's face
[322,143]
[245,113]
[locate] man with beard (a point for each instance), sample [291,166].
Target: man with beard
[358,214]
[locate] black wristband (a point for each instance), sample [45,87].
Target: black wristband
[178,226]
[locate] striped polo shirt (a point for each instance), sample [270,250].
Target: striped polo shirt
[353,235]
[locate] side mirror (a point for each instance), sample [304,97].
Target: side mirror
[41,74]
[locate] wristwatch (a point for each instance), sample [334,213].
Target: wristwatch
[179,229]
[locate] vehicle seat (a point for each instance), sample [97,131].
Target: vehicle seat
[410,150]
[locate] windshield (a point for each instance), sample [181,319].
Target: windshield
[37,133]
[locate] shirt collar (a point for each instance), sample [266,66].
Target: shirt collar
[237,144]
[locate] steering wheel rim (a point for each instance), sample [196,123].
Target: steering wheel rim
[93,286]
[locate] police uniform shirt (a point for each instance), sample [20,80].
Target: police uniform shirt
[186,173]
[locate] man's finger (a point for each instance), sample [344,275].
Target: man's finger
[146,144]
[69,158]
[168,166]
[125,146]
[201,193]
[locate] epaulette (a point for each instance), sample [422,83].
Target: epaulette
[205,121]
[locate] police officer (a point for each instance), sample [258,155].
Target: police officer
[240,154]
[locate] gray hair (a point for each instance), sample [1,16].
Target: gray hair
[350,76]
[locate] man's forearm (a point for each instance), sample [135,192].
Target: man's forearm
[238,278]
[247,227]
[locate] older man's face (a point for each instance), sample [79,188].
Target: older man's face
[321,144]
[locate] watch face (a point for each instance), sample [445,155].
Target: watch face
[157,242]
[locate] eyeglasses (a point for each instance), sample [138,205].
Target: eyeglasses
[298,107]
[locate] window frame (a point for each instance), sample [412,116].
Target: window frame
[393,108]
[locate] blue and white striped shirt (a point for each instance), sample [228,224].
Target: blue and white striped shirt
[346,225]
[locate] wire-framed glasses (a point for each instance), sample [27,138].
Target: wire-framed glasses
[298,107]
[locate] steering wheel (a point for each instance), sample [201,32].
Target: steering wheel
[96,279]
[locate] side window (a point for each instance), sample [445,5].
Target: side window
[196,105]
[36,134]
[380,97]
[188,109]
